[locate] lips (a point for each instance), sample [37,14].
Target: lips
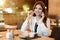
[37,12]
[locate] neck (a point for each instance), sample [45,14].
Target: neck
[37,18]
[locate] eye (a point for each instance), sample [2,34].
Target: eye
[40,8]
[35,7]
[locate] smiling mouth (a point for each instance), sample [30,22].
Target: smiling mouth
[37,12]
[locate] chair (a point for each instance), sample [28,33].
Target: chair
[56,33]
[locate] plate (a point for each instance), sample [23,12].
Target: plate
[23,37]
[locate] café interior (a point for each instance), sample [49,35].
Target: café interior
[14,12]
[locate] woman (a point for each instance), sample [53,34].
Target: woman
[37,16]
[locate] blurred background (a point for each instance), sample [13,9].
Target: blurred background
[13,12]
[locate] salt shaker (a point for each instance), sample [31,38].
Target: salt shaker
[9,35]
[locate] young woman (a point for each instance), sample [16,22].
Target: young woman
[37,16]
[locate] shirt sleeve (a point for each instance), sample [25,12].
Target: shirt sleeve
[24,25]
[43,30]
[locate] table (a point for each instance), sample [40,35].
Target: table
[16,32]
[3,33]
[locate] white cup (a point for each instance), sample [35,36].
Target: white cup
[31,35]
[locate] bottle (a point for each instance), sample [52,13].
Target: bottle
[9,35]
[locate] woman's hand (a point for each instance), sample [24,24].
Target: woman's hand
[30,14]
[42,16]
[29,18]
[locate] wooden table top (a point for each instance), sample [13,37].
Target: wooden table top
[3,36]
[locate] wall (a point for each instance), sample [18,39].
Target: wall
[54,7]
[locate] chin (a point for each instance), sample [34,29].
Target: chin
[37,14]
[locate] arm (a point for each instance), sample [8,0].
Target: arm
[24,26]
[27,21]
[46,32]
[48,23]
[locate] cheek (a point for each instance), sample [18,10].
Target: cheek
[35,10]
[38,10]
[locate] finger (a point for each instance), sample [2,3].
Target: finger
[30,13]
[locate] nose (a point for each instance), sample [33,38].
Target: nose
[37,9]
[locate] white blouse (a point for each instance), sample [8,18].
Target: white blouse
[42,30]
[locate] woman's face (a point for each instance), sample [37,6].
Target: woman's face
[38,10]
